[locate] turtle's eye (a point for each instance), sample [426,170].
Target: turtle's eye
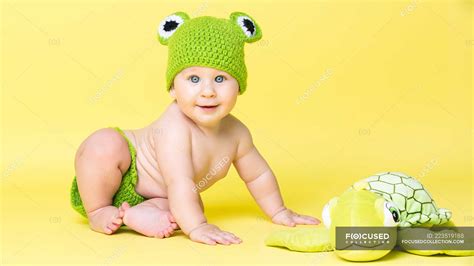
[247,25]
[394,214]
[391,214]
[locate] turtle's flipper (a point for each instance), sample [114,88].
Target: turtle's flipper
[459,252]
[442,252]
[444,215]
[301,239]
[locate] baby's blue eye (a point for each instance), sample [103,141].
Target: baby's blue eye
[219,79]
[194,79]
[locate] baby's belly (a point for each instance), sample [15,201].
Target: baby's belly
[150,181]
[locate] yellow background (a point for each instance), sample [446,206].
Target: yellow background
[337,91]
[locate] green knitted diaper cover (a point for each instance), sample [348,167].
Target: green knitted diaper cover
[126,191]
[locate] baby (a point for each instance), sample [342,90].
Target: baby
[150,179]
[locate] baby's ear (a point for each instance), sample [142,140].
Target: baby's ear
[250,28]
[169,25]
[172,92]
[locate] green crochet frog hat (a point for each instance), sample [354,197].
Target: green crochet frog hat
[208,41]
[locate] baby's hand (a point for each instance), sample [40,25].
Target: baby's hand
[289,218]
[212,235]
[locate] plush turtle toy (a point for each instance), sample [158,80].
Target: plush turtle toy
[387,199]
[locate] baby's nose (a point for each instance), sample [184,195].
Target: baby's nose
[208,91]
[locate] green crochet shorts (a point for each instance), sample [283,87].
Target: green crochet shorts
[126,191]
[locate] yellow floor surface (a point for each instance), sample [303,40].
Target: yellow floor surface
[38,226]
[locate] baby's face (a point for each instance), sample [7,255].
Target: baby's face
[206,95]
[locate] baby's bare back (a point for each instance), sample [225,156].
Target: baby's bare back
[211,156]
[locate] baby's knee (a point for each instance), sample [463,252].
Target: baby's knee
[105,145]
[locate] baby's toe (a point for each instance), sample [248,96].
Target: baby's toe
[117,221]
[108,231]
[170,217]
[174,226]
[171,229]
[166,233]
[113,226]
[159,235]
[125,206]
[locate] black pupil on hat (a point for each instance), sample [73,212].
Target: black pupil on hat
[249,25]
[170,25]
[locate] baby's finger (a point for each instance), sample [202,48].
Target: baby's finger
[205,240]
[312,219]
[231,237]
[220,239]
[287,221]
[235,237]
[304,219]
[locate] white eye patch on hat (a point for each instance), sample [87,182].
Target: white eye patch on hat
[170,24]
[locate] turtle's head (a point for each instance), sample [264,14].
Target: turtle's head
[358,207]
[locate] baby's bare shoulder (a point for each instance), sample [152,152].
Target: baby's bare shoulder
[241,134]
[171,124]
[237,128]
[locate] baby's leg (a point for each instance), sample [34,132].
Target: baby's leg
[100,163]
[151,218]
[162,203]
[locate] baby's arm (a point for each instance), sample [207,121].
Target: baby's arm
[262,184]
[173,150]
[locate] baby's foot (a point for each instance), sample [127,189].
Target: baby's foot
[107,219]
[149,220]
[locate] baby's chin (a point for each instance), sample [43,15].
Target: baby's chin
[208,120]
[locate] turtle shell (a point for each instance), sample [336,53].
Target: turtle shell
[415,204]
